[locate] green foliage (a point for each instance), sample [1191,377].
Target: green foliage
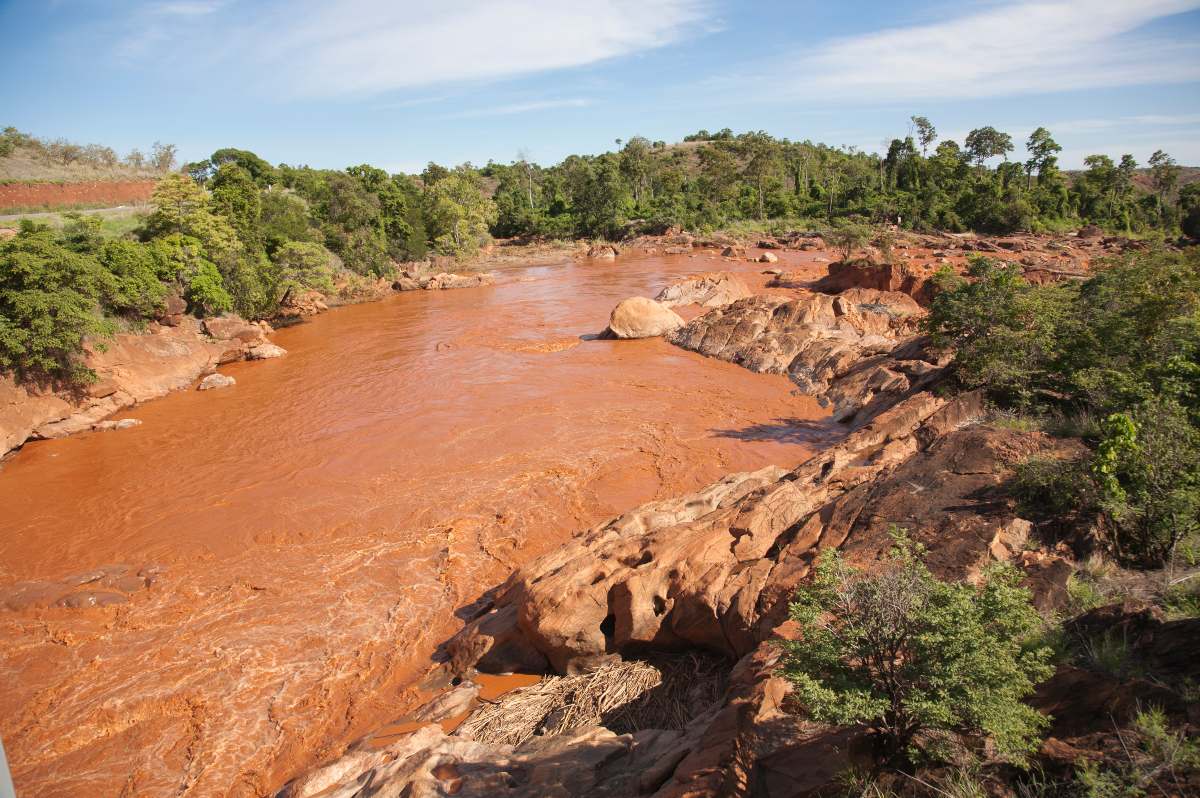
[302,265]
[1148,471]
[848,237]
[906,654]
[1050,487]
[459,214]
[1130,333]
[48,305]
[1157,762]
[136,288]
[206,291]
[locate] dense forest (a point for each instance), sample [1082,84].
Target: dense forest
[235,233]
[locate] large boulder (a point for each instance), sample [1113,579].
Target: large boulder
[639,317]
[707,290]
[265,352]
[213,381]
[233,328]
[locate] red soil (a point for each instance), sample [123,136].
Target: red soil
[59,195]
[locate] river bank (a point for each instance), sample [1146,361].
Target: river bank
[255,578]
[262,572]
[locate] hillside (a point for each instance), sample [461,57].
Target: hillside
[28,159]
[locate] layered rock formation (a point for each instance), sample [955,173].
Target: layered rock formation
[709,290]
[856,351]
[713,571]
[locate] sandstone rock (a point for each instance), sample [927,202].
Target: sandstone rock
[233,328]
[125,423]
[216,381]
[707,290]
[768,257]
[446,280]
[302,303]
[844,350]
[1090,231]
[603,251]
[894,277]
[639,317]
[173,309]
[265,351]
[733,251]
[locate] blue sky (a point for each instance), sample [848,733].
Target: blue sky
[398,83]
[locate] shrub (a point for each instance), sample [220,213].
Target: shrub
[206,291]
[1158,762]
[848,237]
[1006,333]
[302,265]
[48,306]
[1148,472]
[905,654]
[1050,487]
[135,288]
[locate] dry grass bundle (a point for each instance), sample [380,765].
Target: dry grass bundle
[624,696]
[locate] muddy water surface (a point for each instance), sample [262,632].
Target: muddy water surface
[272,564]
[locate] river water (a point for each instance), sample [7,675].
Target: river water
[307,534]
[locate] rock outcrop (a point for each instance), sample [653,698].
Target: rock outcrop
[130,369]
[706,290]
[603,251]
[892,277]
[714,571]
[408,281]
[213,381]
[639,317]
[857,351]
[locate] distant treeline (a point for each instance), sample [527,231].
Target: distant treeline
[234,233]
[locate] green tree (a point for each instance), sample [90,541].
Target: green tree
[904,654]
[48,307]
[1042,150]
[460,214]
[849,237]
[987,142]
[1148,469]
[303,265]
[236,198]
[926,133]
[136,288]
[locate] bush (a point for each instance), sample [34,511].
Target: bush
[1148,472]
[206,291]
[48,306]
[135,289]
[906,654]
[302,265]
[848,237]
[1050,487]
[1157,762]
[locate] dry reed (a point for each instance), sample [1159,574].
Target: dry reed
[624,696]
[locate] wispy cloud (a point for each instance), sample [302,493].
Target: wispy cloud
[1014,48]
[519,108]
[366,47]
[186,8]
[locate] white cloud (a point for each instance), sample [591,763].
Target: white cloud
[519,108]
[186,8]
[365,47]
[1016,48]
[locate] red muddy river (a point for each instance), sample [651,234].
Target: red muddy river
[284,555]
